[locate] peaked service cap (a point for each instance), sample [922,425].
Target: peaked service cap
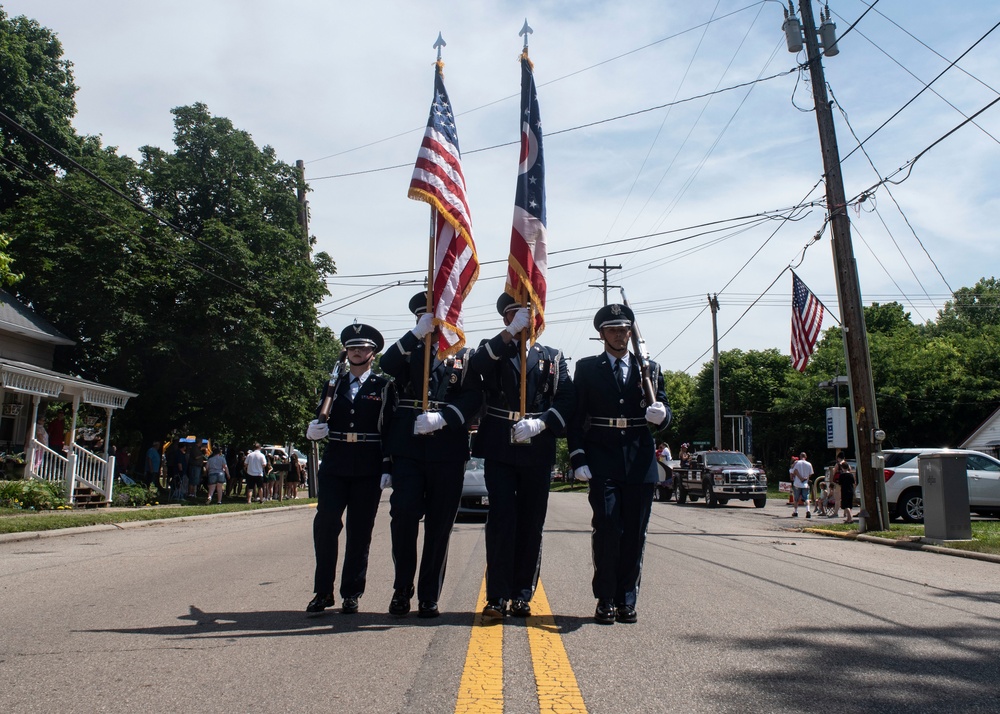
[418,304]
[614,315]
[358,335]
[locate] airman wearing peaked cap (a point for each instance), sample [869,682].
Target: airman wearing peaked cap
[519,451]
[354,469]
[429,450]
[612,447]
[614,315]
[359,335]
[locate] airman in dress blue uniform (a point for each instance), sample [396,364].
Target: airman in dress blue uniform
[611,446]
[429,451]
[351,473]
[519,452]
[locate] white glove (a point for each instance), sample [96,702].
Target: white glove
[386,482]
[428,422]
[424,326]
[527,428]
[656,412]
[519,322]
[582,473]
[316,431]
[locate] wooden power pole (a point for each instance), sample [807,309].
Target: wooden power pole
[713,302]
[868,436]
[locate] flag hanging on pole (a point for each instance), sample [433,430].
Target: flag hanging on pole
[528,260]
[438,180]
[807,319]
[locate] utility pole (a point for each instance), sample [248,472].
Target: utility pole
[713,302]
[300,168]
[868,436]
[604,268]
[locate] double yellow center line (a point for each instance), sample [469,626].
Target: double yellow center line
[481,688]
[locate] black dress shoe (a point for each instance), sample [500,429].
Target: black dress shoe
[320,602]
[349,606]
[400,603]
[520,608]
[605,612]
[495,608]
[427,608]
[626,613]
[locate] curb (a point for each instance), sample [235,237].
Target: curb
[38,535]
[908,545]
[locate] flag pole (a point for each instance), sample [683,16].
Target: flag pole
[438,44]
[525,31]
[524,358]
[430,308]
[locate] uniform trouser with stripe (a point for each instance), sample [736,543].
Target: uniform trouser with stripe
[431,490]
[621,516]
[359,496]
[519,497]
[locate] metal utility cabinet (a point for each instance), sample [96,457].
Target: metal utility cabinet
[945,488]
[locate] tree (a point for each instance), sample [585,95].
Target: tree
[211,318]
[37,92]
[7,275]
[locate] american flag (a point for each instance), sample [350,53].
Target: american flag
[807,319]
[438,180]
[528,261]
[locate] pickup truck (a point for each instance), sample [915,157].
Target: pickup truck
[718,477]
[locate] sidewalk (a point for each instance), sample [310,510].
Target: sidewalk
[36,535]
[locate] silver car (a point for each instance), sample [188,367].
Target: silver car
[475,497]
[902,482]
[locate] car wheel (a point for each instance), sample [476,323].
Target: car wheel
[710,499]
[680,494]
[910,506]
[759,502]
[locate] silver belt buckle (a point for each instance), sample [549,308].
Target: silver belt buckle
[621,423]
[352,437]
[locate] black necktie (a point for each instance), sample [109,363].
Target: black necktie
[619,375]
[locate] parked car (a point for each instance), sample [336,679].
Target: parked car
[475,498]
[902,482]
[279,455]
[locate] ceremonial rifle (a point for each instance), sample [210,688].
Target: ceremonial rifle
[639,347]
[331,388]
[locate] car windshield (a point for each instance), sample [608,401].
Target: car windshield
[721,458]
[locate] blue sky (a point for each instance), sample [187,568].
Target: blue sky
[346,87]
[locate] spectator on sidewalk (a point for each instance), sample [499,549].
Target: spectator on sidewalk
[801,471]
[256,465]
[152,467]
[218,472]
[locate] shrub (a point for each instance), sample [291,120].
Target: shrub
[31,495]
[133,496]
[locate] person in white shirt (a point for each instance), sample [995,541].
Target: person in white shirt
[255,464]
[800,472]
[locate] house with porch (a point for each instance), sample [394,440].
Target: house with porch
[28,385]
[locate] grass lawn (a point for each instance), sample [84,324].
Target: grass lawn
[17,521]
[985,534]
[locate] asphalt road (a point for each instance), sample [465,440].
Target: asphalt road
[737,613]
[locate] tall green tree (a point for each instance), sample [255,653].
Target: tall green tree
[209,315]
[38,93]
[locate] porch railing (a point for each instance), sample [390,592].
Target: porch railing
[80,467]
[94,471]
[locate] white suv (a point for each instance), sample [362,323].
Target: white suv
[902,482]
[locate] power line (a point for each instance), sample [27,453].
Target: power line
[544,84]
[104,184]
[114,222]
[573,128]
